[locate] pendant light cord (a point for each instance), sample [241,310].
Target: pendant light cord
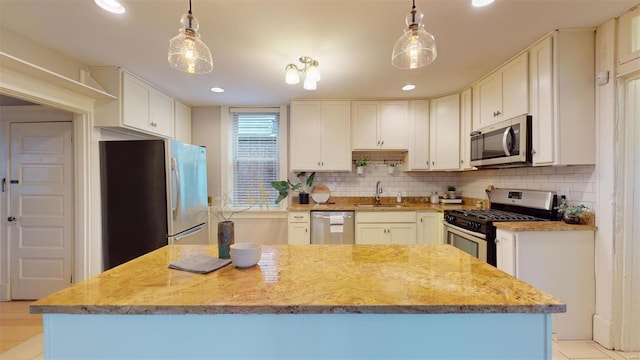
[413,12]
[192,14]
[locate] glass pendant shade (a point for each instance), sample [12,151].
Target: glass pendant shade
[186,51]
[291,74]
[416,47]
[313,72]
[309,84]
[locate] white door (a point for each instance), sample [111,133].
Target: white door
[40,208]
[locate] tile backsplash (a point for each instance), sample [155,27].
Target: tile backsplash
[577,182]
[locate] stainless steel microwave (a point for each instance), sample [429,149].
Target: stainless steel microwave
[505,144]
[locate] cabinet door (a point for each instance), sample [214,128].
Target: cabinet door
[505,251]
[371,234]
[182,121]
[465,129]
[489,97]
[402,233]
[429,228]
[445,133]
[394,123]
[542,102]
[418,154]
[135,102]
[515,87]
[306,135]
[364,125]
[628,39]
[336,138]
[160,113]
[299,234]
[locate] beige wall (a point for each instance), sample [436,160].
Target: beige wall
[205,131]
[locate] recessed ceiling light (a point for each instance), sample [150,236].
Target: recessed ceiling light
[111,6]
[480,3]
[217,90]
[408,87]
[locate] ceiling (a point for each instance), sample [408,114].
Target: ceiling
[253,40]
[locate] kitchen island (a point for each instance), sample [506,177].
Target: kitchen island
[319,301]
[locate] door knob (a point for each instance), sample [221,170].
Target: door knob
[11,218]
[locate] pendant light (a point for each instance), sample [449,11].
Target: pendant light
[311,71]
[417,47]
[186,51]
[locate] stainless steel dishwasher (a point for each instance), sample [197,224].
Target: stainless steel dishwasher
[332,227]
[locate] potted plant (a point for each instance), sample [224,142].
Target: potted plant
[226,227]
[284,186]
[571,213]
[451,191]
[361,164]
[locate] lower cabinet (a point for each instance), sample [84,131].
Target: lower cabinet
[560,263]
[299,228]
[385,227]
[429,226]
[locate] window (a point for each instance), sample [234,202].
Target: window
[254,156]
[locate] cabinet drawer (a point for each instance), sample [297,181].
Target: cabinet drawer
[299,216]
[385,217]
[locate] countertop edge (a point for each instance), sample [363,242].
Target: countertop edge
[292,309]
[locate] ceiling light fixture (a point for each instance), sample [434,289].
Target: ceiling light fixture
[311,72]
[481,3]
[408,87]
[111,6]
[186,51]
[417,47]
[217,89]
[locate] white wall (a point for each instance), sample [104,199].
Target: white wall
[205,131]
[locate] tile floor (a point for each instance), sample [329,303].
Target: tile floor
[32,348]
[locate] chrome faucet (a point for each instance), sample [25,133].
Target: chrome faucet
[378,192]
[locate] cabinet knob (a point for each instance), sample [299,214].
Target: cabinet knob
[533,152]
[382,142]
[433,163]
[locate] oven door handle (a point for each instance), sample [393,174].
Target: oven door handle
[465,231]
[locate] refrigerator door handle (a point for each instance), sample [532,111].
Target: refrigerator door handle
[176,175]
[191,232]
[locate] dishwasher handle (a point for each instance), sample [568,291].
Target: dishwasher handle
[320,216]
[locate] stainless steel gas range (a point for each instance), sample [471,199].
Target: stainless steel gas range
[473,231]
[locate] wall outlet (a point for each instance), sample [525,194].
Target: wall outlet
[565,192]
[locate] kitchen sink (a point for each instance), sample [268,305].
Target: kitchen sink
[379,205]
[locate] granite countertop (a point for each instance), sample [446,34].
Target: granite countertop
[389,204]
[542,226]
[306,279]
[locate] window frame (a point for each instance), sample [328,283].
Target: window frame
[226,150]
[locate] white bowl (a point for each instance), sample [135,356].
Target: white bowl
[245,254]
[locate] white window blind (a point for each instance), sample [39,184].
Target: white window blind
[256,156]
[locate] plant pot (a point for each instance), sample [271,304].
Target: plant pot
[303,198]
[360,170]
[571,219]
[452,194]
[226,237]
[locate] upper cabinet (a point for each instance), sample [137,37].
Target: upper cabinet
[417,158]
[444,139]
[182,115]
[628,40]
[139,105]
[319,136]
[562,98]
[380,125]
[503,94]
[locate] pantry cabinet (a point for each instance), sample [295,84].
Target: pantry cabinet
[417,158]
[503,94]
[380,125]
[560,263]
[444,139]
[139,106]
[385,227]
[562,96]
[299,228]
[466,123]
[320,136]
[182,116]
[429,227]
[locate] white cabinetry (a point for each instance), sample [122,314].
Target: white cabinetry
[429,225]
[299,228]
[418,154]
[182,116]
[629,41]
[503,94]
[380,125]
[444,141]
[320,136]
[466,122]
[560,263]
[139,105]
[385,227]
[562,95]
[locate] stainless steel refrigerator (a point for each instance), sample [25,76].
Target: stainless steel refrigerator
[154,192]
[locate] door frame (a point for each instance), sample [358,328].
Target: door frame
[65,94]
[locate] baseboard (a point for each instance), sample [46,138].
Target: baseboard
[602,332]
